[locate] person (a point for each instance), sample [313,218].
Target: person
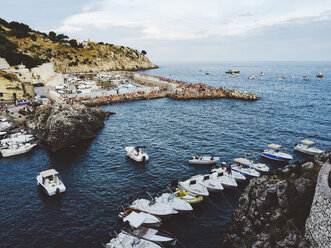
[196,156]
[212,158]
[223,165]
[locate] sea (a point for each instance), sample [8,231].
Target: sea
[100,178]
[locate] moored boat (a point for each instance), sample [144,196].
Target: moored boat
[203,160]
[253,163]
[246,171]
[275,154]
[17,149]
[187,196]
[50,181]
[136,153]
[230,173]
[191,185]
[125,241]
[306,147]
[152,207]
[212,184]
[225,179]
[136,216]
[176,203]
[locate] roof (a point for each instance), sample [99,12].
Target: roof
[135,219]
[240,160]
[274,146]
[48,173]
[307,142]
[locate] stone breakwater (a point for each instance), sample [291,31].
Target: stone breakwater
[273,210]
[318,225]
[62,125]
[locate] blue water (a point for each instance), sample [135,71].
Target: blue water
[99,177]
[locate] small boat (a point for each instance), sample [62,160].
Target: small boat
[191,185]
[248,172]
[275,154]
[295,77]
[233,71]
[17,139]
[306,78]
[306,147]
[124,241]
[319,75]
[251,77]
[212,184]
[203,160]
[139,216]
[176,203]
[136,216]
[261,74]
[207,73]
[50,181]
[17,149]
[225,179]
[230,173]
[152,207]
[253,163]
[149,234]
[187,196]
[136,153]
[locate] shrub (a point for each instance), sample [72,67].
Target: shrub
[143,52]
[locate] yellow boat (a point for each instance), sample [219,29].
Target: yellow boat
[187,196]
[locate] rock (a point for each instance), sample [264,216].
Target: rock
[262,241]
[293,175]
[292,240]
[281,193]
[63,125]
[302,184]
[308,165]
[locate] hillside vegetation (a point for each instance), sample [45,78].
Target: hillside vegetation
[20,44]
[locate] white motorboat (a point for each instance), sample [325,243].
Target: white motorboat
[136,153]
[186,196]
[152,207]
[50,181]
[252,163]
[17,149]
[230,173]
[5,125]
[225,179]
[137,218]
[150,234]
[306,147]
[203,160]
[261,74]
[251,77]
[209,182]
[176,203]
[248,172]
[125,241]
[274,153]
[23,138]
[191,185]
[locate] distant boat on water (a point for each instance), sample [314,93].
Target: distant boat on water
[251,77]
[319,75]
[233,71]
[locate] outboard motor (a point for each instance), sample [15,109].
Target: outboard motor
[57,191]
[144,158]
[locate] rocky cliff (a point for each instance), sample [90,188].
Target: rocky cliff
[22,44]
[62,125]
[273,209]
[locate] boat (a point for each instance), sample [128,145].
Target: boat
[150,234]
[247,172]
[251,77]
[212,184]
[253,163]
[225,179]
[136,215]
[306,147]
[203,160]
[124,241]
[207,73]
[49,180]
[306,79]
[17,149]
[136,153]
[17,139]
[230,173]
[233,71]
[261,74]
[319,75]
[176,203]
[186,196]
[191,185]
[152,207]
[274,153]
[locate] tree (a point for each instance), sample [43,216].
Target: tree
[143,52]
[52,35]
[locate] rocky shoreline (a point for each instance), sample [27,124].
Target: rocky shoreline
[62,125]
[273,209]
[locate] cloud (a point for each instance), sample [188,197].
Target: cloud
[191,19]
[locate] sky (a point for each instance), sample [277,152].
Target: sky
[189,30]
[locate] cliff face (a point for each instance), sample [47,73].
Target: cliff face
[63,125]
[69,55]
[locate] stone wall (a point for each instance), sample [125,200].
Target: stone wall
[318,225]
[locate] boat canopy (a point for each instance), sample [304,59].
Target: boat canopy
[135,219]
[274,146]
[48,173]
[307,142]
[241,160]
